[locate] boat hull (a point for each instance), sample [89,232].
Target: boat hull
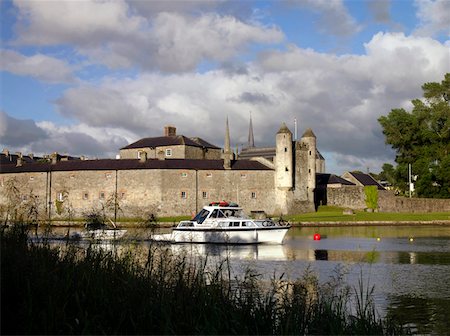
[225,236]
[99,234]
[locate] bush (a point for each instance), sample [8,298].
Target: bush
[371,193]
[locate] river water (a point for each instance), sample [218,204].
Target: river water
[409,266]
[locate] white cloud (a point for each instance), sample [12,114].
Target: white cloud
[334,17]
[84,23]
[380,10]
[111,33]
[17,132]
[433,16]
[80,139]
[39,66]
[183,41]
[339,97]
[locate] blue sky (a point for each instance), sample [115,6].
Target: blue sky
[88,77]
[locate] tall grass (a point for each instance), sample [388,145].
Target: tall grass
[72,290]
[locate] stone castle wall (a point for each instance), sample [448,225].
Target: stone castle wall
[353,197]
[163,192]
[388,202]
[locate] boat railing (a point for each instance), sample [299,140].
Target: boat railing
[265,222]
[186,223]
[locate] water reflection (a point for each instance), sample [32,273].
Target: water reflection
[411,276]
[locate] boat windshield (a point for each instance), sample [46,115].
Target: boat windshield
[201,216]
[225,213]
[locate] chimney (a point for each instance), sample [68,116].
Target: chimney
[31,156]
[6,152]
[54,157]
[19,162]
[170,131]
[143,156]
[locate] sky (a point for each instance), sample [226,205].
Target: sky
[87,77]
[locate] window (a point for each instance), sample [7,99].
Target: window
[85,196]
[286,169]
[102,195]
[168,152]
[139,154]
[31,178]
[253,194]
[183,174]
[309,171]
[285,149]
[108,175]
[208,175]
[204,194]
[183,194]
[122,195]
[310,153]
[60,196]
[243,176]
[72,176]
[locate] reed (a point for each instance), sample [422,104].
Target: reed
[74,290]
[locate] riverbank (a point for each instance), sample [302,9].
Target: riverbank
[372,223]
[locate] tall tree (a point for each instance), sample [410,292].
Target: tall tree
[422,138]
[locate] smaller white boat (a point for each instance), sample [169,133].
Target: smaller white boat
[98,232]
[225,223]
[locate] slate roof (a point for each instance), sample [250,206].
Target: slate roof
[366,180]
[265,152]
[284,129]
[204,143]
[128,164]
[324,179]
[308,134]
[12,158]
[169,141]
[319,155]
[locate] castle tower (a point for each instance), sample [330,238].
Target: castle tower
[227,153]
[305,172]
[283,169]
[283,158]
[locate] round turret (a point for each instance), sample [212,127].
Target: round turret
[284,158]
[310,142]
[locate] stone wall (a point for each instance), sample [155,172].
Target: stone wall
[387,202]
[353,197]
[164,192]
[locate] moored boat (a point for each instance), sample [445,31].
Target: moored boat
[224,222]
[98,232]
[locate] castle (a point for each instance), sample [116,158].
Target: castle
[169,175]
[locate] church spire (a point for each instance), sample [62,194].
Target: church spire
[227,153]
[227,147]
[251,139]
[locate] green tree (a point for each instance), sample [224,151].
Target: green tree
[422,138]
[387,174]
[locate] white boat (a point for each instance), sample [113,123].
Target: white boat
[102,234]
[225,223]
[98,231]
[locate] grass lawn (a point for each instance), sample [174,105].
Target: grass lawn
[335,214]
